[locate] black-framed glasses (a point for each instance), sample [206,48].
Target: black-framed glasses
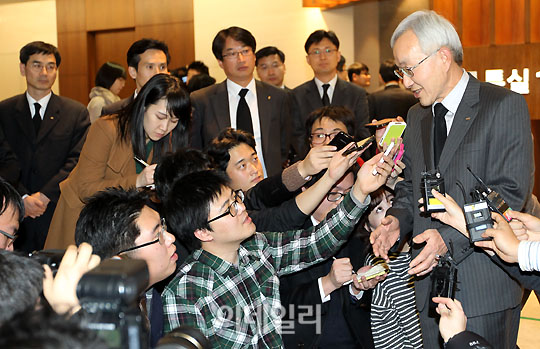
[406,71]
[12,237]
[245,52]
[160,239]
[334,196]
[233,208]
[318,53]
[320,137]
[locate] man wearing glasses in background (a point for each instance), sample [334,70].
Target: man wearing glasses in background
[322,48]
[459,122]
[46,132]
[11,215]
[116,222]
[241,102]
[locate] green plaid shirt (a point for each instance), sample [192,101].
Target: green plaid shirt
[238,306]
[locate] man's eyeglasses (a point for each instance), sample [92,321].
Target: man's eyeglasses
[233,208]
[9,236]
[334,196]
[318,53]
[406,71]
[160,239]
[246,52]
[38,67]
[320,137]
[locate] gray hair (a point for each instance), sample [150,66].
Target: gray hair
[433,31]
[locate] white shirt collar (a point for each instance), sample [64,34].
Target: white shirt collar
[332,83]
[453,99]
[233,88]
[43,102]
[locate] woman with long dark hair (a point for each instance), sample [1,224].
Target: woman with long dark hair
[117,148]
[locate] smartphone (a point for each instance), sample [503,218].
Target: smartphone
[341,140]
[364,143]
[400,152]
[394,130]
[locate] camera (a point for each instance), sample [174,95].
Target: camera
[432,180]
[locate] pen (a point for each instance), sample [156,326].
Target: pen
[142,162]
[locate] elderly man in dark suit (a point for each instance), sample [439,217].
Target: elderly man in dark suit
[459,122]
[242,102]
[393,100]
[46,132]
[145,58]
[322,48]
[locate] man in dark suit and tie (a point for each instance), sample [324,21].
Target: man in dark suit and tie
[322,48]
[242,102]
[145,58]
[393,100]
[46,132]
[270,63]
[459,122]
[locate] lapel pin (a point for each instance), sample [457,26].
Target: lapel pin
[467,118]
[52,117]
[269,97]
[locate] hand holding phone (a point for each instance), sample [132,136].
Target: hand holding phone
[394,130]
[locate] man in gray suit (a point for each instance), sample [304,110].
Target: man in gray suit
[476,124]
[242,102]
[322,48]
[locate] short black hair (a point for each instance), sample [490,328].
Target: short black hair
[108,220]
[387,70]
[188,204]
[236,33]
[10,197]
[318,35]
[140,46]
[39,47]
[219,148]
[200,81]
[356,68]
[335,113]
[199,66]
[174,166]
[108,73]
[269,51]
[22,283]
[341,64]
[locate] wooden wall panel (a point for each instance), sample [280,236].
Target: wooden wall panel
[74,66]
[70,15]
[163,11]
[449,10]
[534,21]
[509,22]
[107,14]
[476,23]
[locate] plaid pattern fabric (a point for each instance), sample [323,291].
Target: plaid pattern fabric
[239,306]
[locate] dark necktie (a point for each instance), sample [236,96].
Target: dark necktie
[36,119]
[243,115]
[325,98]
[439,134]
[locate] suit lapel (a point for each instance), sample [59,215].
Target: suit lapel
[339,97]
[264,103]
[51,117]
[312,96]
[220,104]
[23,117]
[464,118]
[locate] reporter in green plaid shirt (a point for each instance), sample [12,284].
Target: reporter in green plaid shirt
[229,287]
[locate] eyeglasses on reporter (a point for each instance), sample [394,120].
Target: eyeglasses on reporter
[160,239]
[233,208]
[320,137]
[11,237]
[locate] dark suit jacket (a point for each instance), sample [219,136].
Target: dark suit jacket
[491,133]
[9,165]
[302,289]
[47,158]
[307,99]
[211,115]
[115,107]
[391,102]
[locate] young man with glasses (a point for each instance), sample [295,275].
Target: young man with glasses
[121,223]
[46,132]
[228,288]
[11,215]
[460,122]
[322,49]
[241,102]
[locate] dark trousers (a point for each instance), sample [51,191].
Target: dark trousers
[33,231]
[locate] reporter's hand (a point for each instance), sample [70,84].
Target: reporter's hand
[453,216]
[61,291]
[33,206]
[366,182]
[146,177]
[340,273]
[427,258]
[363,284]
[316,160]
[339,164]
[525,225]
[453,319]
[505,243]
[385,236]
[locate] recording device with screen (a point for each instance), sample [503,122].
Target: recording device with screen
[494,200]
[432,180]
[443,280]
[477,215]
